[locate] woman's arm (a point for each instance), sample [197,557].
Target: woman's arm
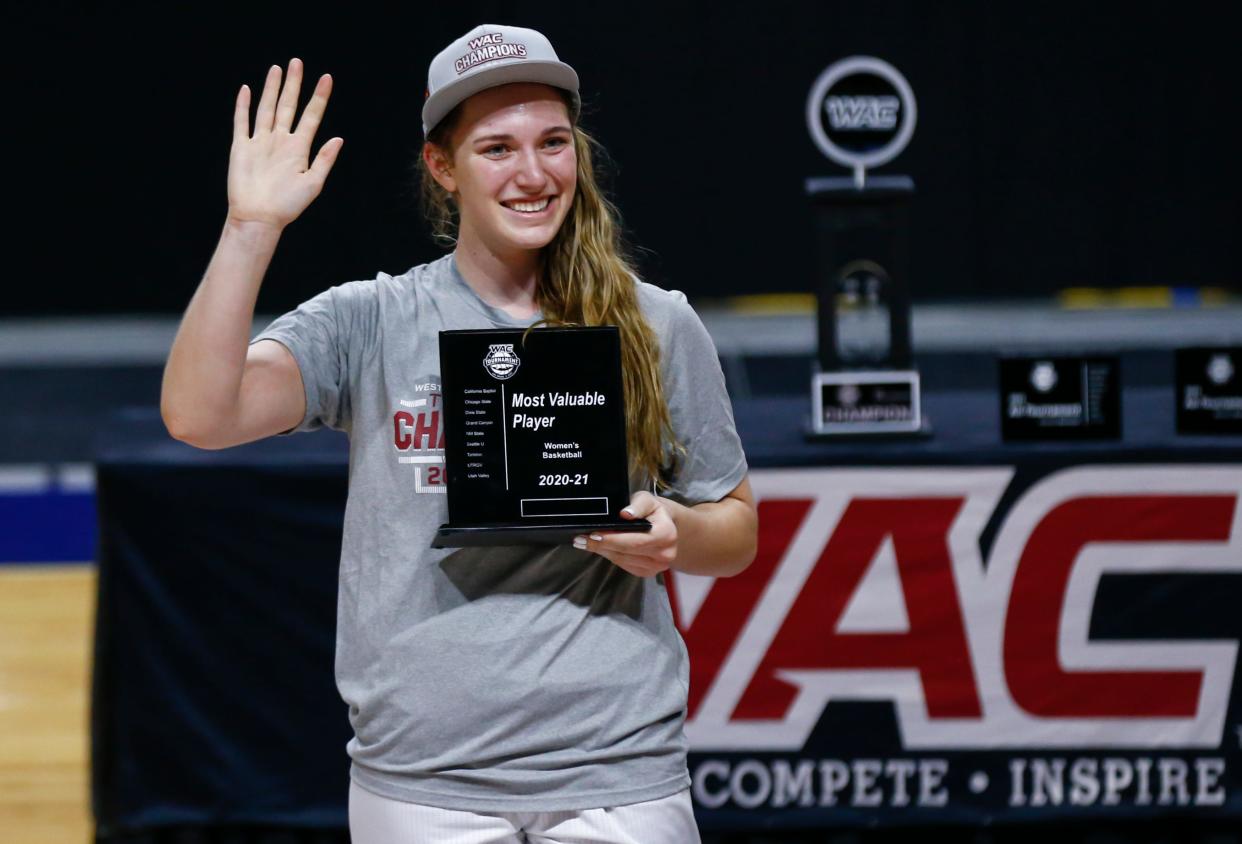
[207,361]
[716,538]
[217,390]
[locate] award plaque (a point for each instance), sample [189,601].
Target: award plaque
[1060,398]
[534,442]
[1209,390]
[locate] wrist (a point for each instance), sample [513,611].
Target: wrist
[253,230]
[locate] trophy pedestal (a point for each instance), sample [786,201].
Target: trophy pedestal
[866,384]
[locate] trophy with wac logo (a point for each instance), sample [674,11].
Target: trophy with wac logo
[534,442]
[861,114]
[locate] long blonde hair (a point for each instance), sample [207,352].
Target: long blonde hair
[586,278]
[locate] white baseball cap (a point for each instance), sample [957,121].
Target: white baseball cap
[491,55]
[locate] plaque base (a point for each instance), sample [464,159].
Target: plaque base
[866,403]
[562,533]
[924,432]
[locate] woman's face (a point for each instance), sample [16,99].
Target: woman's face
[513,166]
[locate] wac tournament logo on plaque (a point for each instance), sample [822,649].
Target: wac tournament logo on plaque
[500,361]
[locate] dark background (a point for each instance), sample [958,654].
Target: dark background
[1059,144]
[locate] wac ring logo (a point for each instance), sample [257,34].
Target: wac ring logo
[501,362]
[861,113]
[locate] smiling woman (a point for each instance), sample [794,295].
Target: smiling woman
[512,689]
[504,159]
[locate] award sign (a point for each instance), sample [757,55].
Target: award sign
[861,114]
[1209,390]
[1060,398]
[534,442]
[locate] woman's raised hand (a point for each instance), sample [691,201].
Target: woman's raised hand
[269,181]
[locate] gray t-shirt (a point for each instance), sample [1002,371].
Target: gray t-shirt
[519,678]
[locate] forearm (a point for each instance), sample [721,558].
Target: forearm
[202,377]
[716,538]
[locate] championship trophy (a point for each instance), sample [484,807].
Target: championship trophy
[534,442]
[861,113]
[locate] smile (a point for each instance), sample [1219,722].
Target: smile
[532,207]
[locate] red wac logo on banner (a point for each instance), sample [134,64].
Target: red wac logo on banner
[869,584]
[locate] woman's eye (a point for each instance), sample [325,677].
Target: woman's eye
[497,149]
[556,142]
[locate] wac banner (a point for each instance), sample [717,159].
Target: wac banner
[972,645]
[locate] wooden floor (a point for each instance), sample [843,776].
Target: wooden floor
[46,633]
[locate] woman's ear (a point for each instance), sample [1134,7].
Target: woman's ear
[441,166]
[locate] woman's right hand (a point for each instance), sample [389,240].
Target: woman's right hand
[269,182]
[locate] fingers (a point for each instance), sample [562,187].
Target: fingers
[309,123]
[326,158]
[640,553]
[278,106]
[642,565]
[642,504]
[288,104]
[267,103]
[241,115]
[624,542]
[657,546]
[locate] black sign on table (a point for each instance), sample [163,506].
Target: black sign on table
[1060,398]
[1209,390]
[535,435]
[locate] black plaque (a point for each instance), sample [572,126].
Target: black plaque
[1060,398]
[535,435]
[1209,390]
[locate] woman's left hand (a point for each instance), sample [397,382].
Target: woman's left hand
[641,553]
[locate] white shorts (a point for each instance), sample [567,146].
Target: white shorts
[382,820]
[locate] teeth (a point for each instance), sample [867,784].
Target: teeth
[531,206]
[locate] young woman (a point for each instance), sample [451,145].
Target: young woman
[494,693]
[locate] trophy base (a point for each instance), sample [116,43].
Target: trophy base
[924,431]
[866,404]
[469,536]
